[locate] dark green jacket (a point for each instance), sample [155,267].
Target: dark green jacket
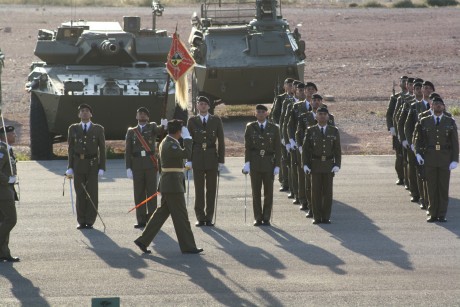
[6,191]
[133,158]
[262,150]
[321,151]
[91,144]
[172,156]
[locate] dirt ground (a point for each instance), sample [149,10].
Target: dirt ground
[353,55]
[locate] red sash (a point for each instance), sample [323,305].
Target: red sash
[146,147]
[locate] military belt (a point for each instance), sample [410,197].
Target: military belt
[263,152]
[85,156]
[438,147]
[142,153]
[205,146]
[323,158]
[172,170]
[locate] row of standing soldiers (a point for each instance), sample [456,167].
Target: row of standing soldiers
[425,140]
[310,148]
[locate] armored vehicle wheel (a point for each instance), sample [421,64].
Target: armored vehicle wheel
[41,145]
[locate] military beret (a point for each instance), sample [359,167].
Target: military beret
[322,110]
[288,80]
[417,84]
[312,85]
[175,125]
[438,99]
[418,80]
[301,85]
[433,95]
[261,107]
[317,96]
[428,83]
[403,77]
[203,99]
[410,80]
[85,106]
[6,129]
[143,110]
[295,82]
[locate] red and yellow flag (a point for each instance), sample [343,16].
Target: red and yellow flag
[179,59]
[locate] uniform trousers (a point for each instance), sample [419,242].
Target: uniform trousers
[413,182]
[300,179]
[437,181]
[399,158]
[204,206]
[321,186]
[284,173]
[86,214]
[294,174]
[8,219]
[257,180]
[145,185]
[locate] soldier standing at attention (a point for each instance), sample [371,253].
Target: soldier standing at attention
[207,160]
[390,125]
[436,147]
[172,190]
[86,149]
[141,164]
[321,156]
[8,217]
[262,160]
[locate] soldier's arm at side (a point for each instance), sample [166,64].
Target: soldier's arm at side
[307,149]
[455,149]
[221,141]
[128,148]
[277,148]
[390,111]
[247,142]
[71,149]
[419,142]
[3,161]
[337,150]
[102,154]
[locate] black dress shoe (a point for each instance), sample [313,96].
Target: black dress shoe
[200,223]
[296,201]
[325,221]
[89,226]
[266,223]
[140,225]
[415,199]
[142,247]
[290,195]
[309,214]
[193,251]
[257,223]
[423,207]
[303,207]
[81,226]
[10,259]
[316,222]
[209,223]
[431,219]
[406,187]
[442,219]
[284,189]
[400,182]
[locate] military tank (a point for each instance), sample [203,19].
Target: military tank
[112,68]
[243,51]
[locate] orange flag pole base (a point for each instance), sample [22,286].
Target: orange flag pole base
[144,202]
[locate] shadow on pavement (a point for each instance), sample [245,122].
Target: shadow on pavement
[114,255]
[453,216]
[304,251]
[22,288]
[359,234]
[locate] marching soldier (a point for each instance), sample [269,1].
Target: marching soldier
[172,191]
[262,160]
[308,119]
[207,159]
[8,217]
[391,127]
[437,149]
[321,156]
[86,150]
[141,163]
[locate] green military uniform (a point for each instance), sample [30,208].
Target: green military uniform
[438,144]
[8,217]
[275,116]
[291,154]
[86,157]
[172,195]
[263,152]
[139,160]
[321,152]
[401,105]
[206,157]
[285,154]
[396,144]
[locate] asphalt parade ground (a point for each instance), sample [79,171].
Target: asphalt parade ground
[378,251]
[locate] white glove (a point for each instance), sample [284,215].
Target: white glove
[283,142]
[100,173]
[276,171]
[412,147]
[335,169]
[129,173]
[452,165]
[405,144]
[246,168]
[12,179]
[188,165]
[420,160]
[185,133]
[288,147]
[293,144]
[220,167]
[300,149]
[164,122]
[392,131]
[306,169]
[69,173]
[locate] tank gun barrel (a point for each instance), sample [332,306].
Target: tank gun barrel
[108,48]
